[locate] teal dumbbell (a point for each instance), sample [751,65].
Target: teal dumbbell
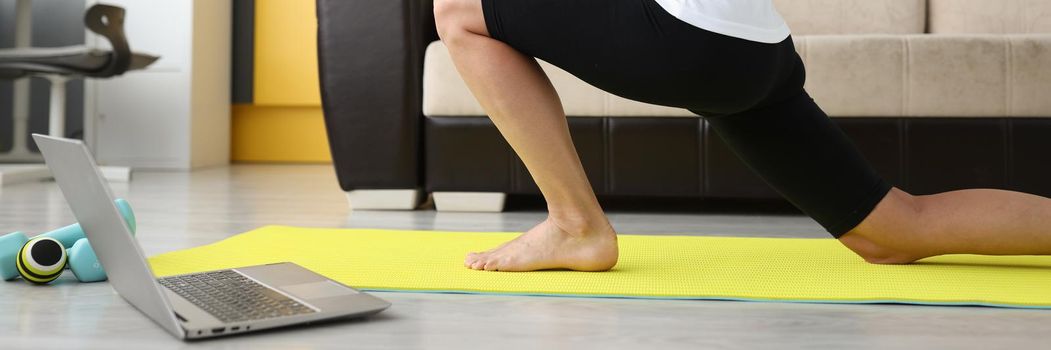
[81,259]
[42,260]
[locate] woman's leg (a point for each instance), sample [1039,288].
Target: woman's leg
[521,101]
[827,177]
[799,151]
[904,228]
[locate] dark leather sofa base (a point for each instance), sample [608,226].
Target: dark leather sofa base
[370,59]
[681,157]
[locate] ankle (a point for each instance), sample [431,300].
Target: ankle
[580,225]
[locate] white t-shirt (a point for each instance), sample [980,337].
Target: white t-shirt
[755,20]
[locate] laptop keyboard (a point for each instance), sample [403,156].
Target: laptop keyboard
[232,297]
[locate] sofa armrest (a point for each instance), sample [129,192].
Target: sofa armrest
[370,56]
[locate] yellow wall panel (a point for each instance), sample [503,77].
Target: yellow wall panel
[279,134]
[286,71]
[285,123]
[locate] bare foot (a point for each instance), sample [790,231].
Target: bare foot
[548,246]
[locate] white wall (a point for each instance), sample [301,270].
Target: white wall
[176,113]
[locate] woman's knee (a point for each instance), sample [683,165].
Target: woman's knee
[891,233]
[455,18]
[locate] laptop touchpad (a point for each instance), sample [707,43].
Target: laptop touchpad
[318,290]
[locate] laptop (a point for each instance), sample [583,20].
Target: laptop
[198,305]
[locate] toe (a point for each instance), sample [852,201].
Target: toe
[496,263]
[491,265]
[478,264]
[470,259]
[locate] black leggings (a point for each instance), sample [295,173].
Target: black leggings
[750,93]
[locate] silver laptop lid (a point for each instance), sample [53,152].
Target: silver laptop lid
[92,203]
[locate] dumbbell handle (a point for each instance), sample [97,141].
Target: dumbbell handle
[70,234]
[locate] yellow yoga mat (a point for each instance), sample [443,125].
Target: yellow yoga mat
[663,267]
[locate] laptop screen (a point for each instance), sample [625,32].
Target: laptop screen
[92,203]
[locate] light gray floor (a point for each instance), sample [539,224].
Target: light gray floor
[180,210]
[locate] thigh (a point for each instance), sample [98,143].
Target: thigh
[554,30]
[794,146]
[635,49]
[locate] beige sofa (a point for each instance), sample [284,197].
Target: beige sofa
[864,58]
[955,58]
[938,95]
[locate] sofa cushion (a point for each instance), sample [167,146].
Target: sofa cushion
[849,76]
[855,75]
[445,93]
[806,17]
[990,16]
[930,75]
